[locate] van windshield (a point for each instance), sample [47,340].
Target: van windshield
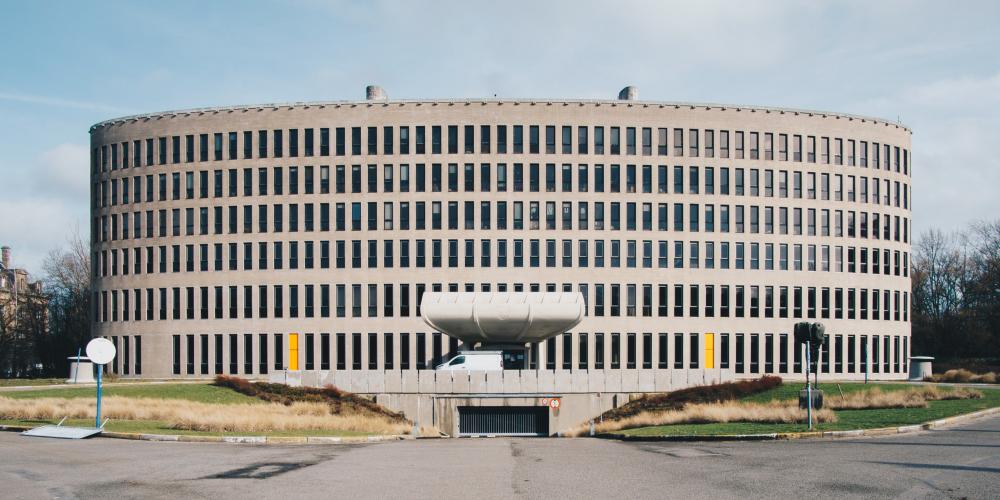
[457,361]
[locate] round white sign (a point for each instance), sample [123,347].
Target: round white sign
[100,351]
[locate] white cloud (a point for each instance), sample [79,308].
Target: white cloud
[955,171]
[975,95]
[63,171]
[44,202]
[34,226]
[59,102]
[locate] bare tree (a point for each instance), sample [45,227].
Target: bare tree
[67,284]
[8,336]
[956,292]
[940,269]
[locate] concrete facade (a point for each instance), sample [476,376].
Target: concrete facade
[199,221]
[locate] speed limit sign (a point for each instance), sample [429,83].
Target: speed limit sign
[545,401]
[554,403]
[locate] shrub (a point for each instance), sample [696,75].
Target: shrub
[774,412]
[677,400]
[340,402]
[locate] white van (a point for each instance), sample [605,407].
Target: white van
[474,360]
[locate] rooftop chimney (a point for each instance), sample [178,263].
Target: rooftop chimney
[6,257]
[629,93]
[375,93]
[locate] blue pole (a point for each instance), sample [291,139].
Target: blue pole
[97,419]
[77,371]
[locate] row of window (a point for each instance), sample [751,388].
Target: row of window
[128,359]
[615,300]
[700,255]
[636,141]
[691,217]
[700,180]
[753,353]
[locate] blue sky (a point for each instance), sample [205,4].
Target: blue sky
[67,65]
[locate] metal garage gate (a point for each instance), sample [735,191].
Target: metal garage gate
[503,421]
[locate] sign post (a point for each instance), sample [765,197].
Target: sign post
[811,336]
[101,351]
[76,373]
[97,416]
[868,361]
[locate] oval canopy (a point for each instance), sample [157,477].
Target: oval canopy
[502,317]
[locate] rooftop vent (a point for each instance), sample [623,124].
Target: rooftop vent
[375,93]
[629,93]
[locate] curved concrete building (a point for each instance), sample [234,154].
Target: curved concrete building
[296,239]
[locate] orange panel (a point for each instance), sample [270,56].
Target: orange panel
[709,350]
[293,351]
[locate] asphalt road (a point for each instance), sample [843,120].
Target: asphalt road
[958,462]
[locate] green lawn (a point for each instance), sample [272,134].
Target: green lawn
[847,419]
[157,427]
[205,393]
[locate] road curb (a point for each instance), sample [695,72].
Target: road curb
[252,440]
[257,440]
[15,428]
[779,436]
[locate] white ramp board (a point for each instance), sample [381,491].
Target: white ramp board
[62,432]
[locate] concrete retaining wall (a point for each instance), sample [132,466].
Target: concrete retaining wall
[503,382]
[431,397]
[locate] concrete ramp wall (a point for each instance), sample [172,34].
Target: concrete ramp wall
[503,381]
[432,397]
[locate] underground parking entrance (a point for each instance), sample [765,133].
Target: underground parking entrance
[478,421]
[495,415]
[495,331]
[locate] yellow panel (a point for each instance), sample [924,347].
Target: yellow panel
[293,351]
[709,350]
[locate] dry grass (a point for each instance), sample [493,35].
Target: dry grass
[932,393]
[429,431]
[782,412]
[676,400]
[704,413]
[875,398]
[962,375]
[913,397]
[196,416]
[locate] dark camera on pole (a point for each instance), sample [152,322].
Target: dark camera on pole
[813,336]
[817,333]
